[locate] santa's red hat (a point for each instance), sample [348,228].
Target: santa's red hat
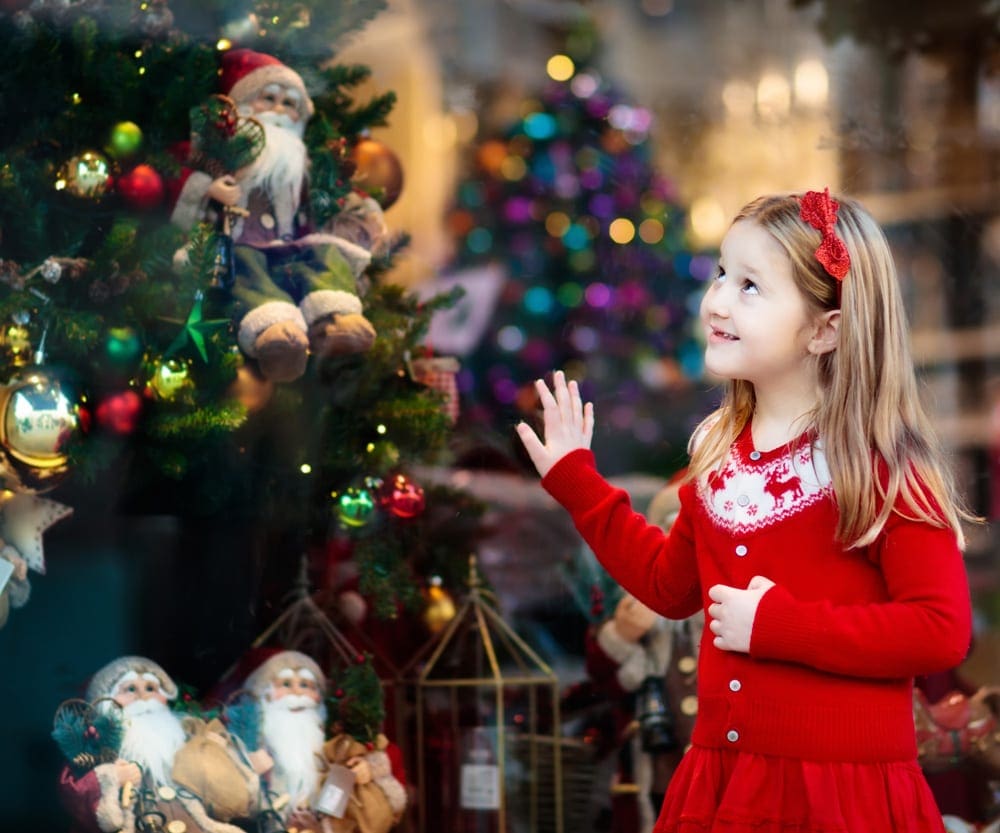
[245,73]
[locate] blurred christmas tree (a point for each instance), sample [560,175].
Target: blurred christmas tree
[598,277]
[125,383]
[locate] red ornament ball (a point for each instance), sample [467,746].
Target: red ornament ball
[378,171]
[141,188]
[120,412]
[401,497]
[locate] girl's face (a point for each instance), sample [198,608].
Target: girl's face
[758,326]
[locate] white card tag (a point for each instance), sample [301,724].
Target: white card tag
[480,788]
[6,571]
[336,790]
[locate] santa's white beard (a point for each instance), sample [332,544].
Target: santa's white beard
[280,170]
[294,739]
[153,734]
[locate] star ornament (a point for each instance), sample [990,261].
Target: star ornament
[196,328]
[23,521]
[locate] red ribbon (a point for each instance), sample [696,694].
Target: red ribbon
[819,209]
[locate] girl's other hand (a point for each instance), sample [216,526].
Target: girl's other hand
[569,424]
[733,611]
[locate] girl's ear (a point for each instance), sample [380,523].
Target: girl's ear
[826,334]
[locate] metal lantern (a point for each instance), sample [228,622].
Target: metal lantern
[486,710]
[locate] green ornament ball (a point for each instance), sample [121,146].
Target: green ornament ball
[125,141]
[122,346]
[355,506]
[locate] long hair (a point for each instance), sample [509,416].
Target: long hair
[875,434]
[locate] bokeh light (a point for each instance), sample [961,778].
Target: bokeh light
[560,67]
[621,230]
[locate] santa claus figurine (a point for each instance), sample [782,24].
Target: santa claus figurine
[139,784]
[290,688]
[295,289]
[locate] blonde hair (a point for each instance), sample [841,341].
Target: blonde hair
[876,436]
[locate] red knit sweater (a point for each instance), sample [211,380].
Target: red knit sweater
[835,644]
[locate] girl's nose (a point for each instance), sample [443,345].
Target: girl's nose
[714,302]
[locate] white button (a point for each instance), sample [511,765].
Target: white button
[754,455]
[267,221]
[735,685]
[732,736]
[743,500]
[741,550]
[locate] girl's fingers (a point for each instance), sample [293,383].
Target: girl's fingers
[576,405]
[588,423]
[533,445]
[563,396]
[544,394]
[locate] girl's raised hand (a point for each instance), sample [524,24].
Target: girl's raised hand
[569,424]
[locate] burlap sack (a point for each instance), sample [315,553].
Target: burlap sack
[368,809]
[211,767]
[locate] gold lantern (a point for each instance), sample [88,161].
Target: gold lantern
[486,710]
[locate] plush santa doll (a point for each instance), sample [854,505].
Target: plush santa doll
[295,289]
[113,796]
[290,688]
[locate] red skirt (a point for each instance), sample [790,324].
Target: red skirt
[725,791]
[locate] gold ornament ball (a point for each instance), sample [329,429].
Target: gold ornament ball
[440,608]
[15,339]
[86,175]
[39,416]
[171,376]
[378,172]
[251,389]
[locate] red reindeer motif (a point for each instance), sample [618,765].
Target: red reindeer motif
[779,488]
[717,479]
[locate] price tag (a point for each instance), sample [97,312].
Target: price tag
[336,790]
[6,571]
[480,787]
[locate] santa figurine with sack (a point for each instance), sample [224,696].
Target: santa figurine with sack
[157,769]
[295,289]
[290,689]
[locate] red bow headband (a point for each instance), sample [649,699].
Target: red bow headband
[819,210]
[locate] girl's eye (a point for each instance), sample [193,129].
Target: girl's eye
[720,275]
[750,288]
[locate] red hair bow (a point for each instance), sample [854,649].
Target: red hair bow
[819,210]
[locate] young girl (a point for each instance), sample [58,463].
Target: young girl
[819,531]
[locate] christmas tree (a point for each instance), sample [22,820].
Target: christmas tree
[598,276]
[133,381]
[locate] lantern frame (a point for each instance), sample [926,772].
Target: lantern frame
[510,666]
